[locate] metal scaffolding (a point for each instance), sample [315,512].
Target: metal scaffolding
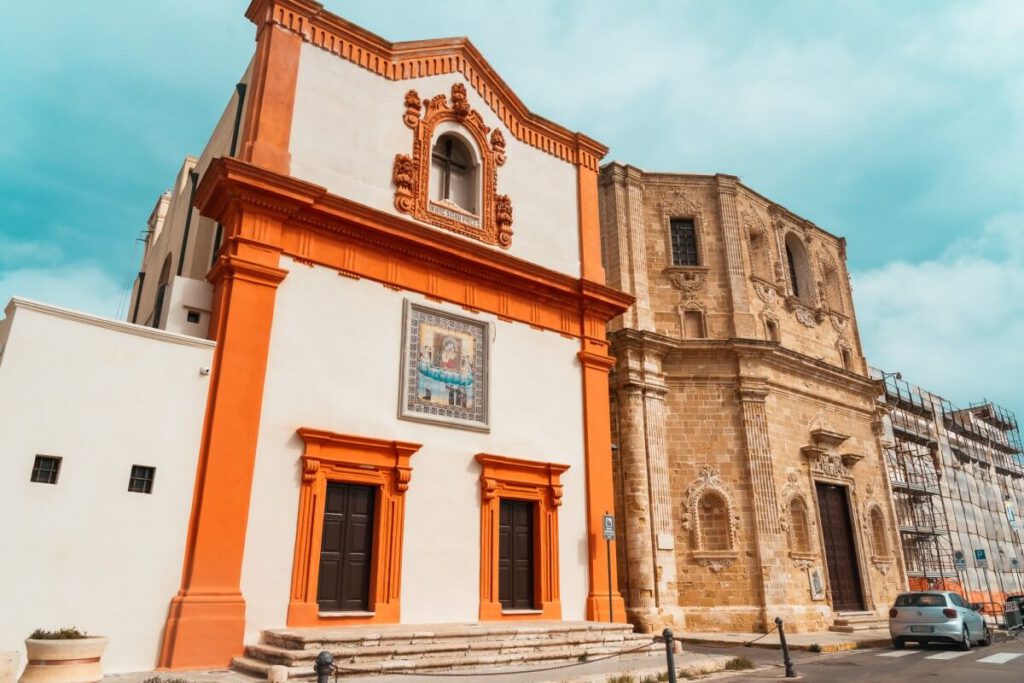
[957,477]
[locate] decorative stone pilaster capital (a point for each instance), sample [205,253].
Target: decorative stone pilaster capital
[753,391]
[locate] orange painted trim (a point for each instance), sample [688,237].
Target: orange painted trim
[358,241]
[266,135]
[422,58]
[411,173]
[206,620]
[538,482]
[343,458]
[597,437]
[591,265]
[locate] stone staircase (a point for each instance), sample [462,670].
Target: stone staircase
[851,622]
[429,648]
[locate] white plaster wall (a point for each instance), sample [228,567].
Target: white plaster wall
[87,553]
[347,128]
[334,364]
[186,295]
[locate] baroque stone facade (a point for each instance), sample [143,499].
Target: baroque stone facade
[749,473]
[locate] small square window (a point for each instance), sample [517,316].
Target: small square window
[46,469]
[141,480]
[193,316]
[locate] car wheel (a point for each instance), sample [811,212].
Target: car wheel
[898,643]
[987,640]
[965,643]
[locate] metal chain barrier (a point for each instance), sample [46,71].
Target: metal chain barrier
[327,666]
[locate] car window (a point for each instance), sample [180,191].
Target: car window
[921,600]
[957,600]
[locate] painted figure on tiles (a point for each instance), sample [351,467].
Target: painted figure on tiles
[445,375]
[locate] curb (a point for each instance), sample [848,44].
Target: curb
[844,646]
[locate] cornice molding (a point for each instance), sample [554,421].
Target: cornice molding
[422,58]
[322,228]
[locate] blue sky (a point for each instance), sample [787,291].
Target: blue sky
[899,125]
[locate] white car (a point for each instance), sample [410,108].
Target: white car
[937,617]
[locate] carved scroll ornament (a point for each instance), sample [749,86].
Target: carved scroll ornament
[492,223]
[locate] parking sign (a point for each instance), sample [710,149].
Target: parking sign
[980,560]
[609,528]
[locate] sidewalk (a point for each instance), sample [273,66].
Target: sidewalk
[818,641]
[641,668]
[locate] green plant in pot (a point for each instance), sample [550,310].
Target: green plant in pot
[66,655]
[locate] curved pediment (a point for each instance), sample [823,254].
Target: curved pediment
[421,58]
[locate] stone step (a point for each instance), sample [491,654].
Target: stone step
[861,618]
[320,639]
[260,667]
[367,650]
[439,648]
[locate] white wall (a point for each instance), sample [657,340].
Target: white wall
[334,364]
[103,395]
[184,295]
[347,128]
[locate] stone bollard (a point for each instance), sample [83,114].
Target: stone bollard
[277,674]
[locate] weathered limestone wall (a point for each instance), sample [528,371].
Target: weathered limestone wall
[744,418]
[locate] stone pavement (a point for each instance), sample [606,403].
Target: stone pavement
[827,641]
[640,668]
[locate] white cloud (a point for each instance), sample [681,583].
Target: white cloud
[81,287]
[955,324]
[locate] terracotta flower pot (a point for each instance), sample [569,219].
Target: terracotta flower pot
[64,661]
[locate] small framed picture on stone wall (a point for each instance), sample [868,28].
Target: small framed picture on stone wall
[444,368]
[817,582]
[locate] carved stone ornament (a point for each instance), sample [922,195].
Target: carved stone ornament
[806,317]
[765,293]
[690,282]
[492,223]
[715,564]
[839,323]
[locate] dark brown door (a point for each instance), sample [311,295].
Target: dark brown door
[515,555]
[840,552]
[346,550]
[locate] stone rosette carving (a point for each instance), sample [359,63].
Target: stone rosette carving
[492,224]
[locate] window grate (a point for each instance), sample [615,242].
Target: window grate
[684,242]
[46,469]
[141,479]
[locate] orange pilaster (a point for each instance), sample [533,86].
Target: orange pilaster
[206,621]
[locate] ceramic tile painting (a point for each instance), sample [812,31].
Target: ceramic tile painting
[444,368]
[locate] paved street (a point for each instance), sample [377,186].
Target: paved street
[1003,661]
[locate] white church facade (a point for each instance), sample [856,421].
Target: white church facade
[364,378]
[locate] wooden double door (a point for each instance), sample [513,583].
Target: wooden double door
[346,550]
[515,555]
[840,549]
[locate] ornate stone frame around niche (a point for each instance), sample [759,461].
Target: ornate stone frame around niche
[710,481]
[881,557]
[802,559]
[691,281]
[681,310]
[411,173]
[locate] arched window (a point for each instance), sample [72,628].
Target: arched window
[713,521]
[878,533]
[453,173]
[799,269]
[161,292]
[847,357]
[799,528]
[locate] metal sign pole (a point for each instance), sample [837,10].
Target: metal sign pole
[609,534]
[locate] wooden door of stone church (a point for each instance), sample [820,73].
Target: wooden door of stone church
[840,551]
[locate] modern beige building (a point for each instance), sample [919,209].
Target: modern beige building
[749,474]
